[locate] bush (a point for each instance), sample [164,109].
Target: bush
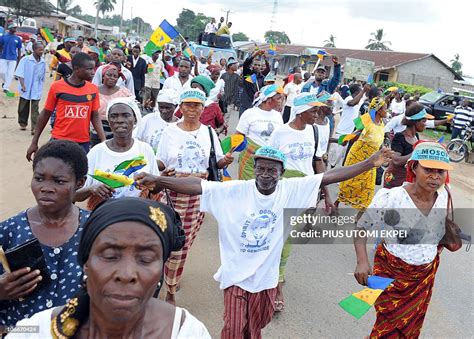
[411,89]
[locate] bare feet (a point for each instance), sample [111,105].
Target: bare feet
[170,299]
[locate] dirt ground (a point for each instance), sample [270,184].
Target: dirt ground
[317,276]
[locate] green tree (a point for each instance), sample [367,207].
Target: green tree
[23,9]
[76,10]
[65,6]
[456,65]
[106,5]
[377,43]
[331,42]
[240,37]
[277,37]
[190,24]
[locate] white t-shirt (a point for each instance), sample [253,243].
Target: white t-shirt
[259,125]
[103,158]
[348,114]
[291,91]
[219,89]
[397,107]
[150,129]
[174,83]
[424,232]
[324,132]
[251,237]
[187,152]
[298,147]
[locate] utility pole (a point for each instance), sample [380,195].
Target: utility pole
[121,19]
[227,14]
[131,19]
[274,13]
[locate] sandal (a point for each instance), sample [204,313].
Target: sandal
[279,305]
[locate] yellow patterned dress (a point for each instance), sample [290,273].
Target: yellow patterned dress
[359,191]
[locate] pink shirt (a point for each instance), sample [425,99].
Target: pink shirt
[104,100]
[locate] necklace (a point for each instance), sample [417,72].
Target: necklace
[194,135]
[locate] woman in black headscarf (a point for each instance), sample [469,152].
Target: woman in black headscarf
[123,249]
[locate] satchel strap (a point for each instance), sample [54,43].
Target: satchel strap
[213,150]
[169,202]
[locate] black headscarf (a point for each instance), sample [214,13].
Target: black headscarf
[163,220]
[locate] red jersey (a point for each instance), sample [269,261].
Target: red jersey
[74,106]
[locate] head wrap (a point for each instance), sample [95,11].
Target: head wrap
[214,68]
[266,93]
[193,95]
[376,104]
[130,102]
[270,153]
[205,82]
[306,101]
[110,66]
[168,95]
[163,220]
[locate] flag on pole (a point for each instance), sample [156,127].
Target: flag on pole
[321,53]
[46,34]
[251,78]
[151,48]
[163,34]
[272,49]
[112,180]
[370,79]
[357,304]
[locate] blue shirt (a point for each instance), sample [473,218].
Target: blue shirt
[326,85]
[10,44]
[33,72]
[65,272]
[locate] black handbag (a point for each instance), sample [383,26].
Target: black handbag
[213,171]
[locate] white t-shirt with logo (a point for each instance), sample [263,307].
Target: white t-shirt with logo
[101,157]
[324,132]
[298,146]
[150,129]
[259,125]
[349,113]
[251,237]
[187,152]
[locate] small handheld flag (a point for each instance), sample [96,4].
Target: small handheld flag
[46,34]
[225,175]
[251,78]
[321,53]
[362,121]
[187,52]
[130,166]
[272,49]
[150,68]
[111,179]
[235,142]
[12,94]
[359,303]
[370,79]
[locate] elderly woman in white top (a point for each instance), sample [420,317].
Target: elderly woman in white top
[419,210]
[113,163]
[184,151]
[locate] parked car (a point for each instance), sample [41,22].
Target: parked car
[442,104]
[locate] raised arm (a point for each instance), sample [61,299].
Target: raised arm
[345,173]
[183,185]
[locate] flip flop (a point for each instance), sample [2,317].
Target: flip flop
[279,305]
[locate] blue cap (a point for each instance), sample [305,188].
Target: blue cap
[270,153]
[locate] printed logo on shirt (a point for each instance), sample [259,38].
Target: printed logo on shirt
[265,134]
[191,157]
[256,232]
[300,151]
[76,111]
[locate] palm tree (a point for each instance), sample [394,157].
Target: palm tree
[330,42]
[64,5]
[377,44]
[106,5]
[456,65]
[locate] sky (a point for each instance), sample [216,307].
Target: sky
[440,27]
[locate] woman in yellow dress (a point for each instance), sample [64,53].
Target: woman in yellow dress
[359,191]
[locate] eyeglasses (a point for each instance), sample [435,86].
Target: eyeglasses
[270,170]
